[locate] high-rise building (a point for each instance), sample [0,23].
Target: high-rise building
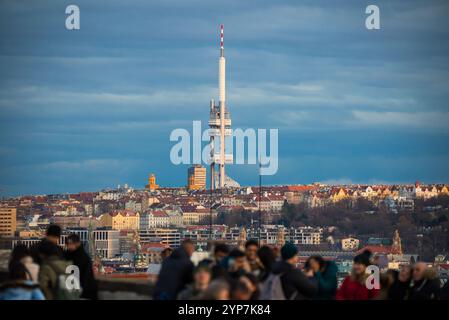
[196,178]
[8,221]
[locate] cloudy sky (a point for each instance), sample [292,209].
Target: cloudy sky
[93,108]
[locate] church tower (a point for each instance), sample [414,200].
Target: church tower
[397,246]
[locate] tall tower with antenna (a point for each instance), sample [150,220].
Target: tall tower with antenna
[219,123]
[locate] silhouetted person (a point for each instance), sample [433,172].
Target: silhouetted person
[75,252]
[251,247]
[53,273]
[202,277]
[426,285]
[444,293]
[176,272]
[236,264]
[217,290]
[53,236]
[354,286]
[325,274]
[400,288]
[22,254]
[295,284]
[221,251]
[268,258]
[19,285]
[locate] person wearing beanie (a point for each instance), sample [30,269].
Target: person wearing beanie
[52,236]
[202,276]
[295,284]
[354,286]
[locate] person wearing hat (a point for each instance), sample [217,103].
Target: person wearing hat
[295,284]
[202,276]
[354,286]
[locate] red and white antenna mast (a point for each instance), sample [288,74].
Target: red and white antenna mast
[221,41]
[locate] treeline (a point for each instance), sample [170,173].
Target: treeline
[424,231]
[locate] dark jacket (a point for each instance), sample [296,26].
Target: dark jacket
[81,259]
[36,254]
[327,281]
[176,272]
[399,290]
[295,284]
[444,294]
[426,289]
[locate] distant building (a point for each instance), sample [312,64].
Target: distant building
[106,240]
[154,219]
[349,244]
[120,220]
[170,237]
[276,234]
[8,221]
[152,186]
[196,178]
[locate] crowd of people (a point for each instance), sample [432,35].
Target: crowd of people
[40,272]
[251,273]
[269,273]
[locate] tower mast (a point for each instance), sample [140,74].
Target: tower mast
[221,103]
[219,123]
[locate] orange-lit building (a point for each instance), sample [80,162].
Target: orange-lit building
[196,178]
[8,221]
[152,186]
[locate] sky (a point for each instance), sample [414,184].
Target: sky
[88,109]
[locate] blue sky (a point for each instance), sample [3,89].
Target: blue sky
[92,108]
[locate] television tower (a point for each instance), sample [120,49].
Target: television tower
[220,122]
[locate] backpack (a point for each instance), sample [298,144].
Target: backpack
[272,288]
[60,291]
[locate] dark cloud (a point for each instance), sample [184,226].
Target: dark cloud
[86,109]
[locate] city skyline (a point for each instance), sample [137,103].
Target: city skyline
[93,108]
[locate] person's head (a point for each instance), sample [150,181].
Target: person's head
[405,274]
[315,263]
[188,246]
[361,261]
[385,281]
[17,271]
[217,290]
[289,253]
[202,276]
[267,257]
[251,247]
[419,270]
[19,252]
[240,289]
[166,253]
[221,250]
[48,249]
[53,233]
[237,260]
[73,242]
